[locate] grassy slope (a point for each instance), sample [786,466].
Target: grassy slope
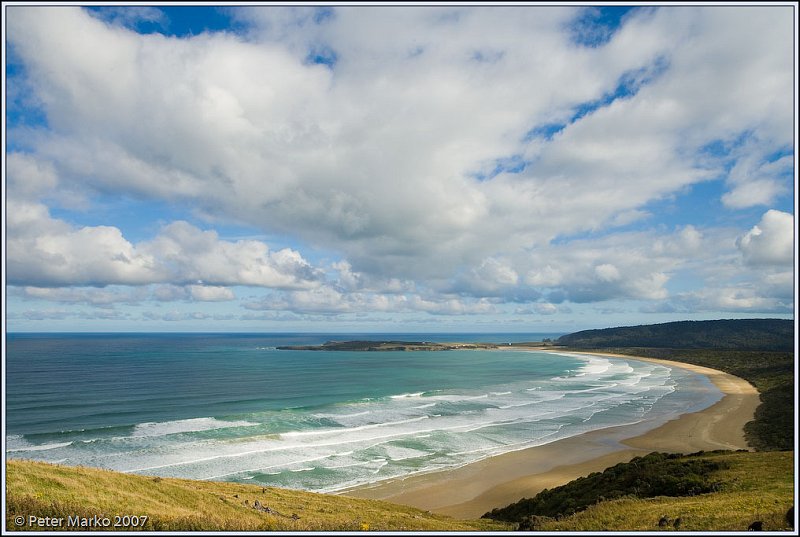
[35,488]
[756,486]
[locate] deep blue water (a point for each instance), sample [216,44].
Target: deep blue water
[231,406]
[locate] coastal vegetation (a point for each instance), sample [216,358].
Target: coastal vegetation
[52,493]
[714,491]
[655,474]
[731,334]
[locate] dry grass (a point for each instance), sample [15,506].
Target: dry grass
[757,486]
[46,490]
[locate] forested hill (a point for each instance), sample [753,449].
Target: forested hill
[739,334]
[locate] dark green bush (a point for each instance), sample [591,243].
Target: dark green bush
[656,474]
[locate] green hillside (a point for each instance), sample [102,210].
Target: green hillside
[739,334]
[636,496]
[87,494]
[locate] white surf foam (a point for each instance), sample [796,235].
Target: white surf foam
[40,447]
[191,425]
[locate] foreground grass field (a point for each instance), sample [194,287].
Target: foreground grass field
[46,490]
[753,487]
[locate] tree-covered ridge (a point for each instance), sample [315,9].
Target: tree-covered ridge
[655,474]
[740,334]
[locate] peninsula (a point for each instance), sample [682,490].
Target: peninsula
[397,346]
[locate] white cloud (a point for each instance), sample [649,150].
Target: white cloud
[491,277]
[758,192]
[208,293]
[395,161]
[607,272]
[732,299]
[771,241]
[327,155]
[755,179]
[43,251]
[193,255]
[29,178]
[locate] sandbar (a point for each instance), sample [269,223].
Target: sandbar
[473,489]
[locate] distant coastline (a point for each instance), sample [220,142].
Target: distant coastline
[383,346]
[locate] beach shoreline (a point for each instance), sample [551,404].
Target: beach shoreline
[474,489]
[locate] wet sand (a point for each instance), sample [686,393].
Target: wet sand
[474,489]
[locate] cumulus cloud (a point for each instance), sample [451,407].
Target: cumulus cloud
[43,251]
[209,293]
[303,161]
[191,254]
[383,138]
[771,241]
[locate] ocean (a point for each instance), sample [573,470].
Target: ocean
[233,407]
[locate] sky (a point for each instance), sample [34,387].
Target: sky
[403,168]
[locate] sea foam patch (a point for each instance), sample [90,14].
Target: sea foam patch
[186,426]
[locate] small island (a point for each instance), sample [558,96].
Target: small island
[403,346]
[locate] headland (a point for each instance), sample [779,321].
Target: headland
[386,346]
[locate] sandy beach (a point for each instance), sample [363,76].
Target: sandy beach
[474,489]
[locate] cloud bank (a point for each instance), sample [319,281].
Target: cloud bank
[443,160]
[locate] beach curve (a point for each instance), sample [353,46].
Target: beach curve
[472,490]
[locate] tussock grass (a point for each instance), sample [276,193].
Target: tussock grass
[47,490]
[754,486]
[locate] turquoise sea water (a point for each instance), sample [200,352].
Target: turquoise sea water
[232,407]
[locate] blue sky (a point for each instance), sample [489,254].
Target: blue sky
[438,168]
